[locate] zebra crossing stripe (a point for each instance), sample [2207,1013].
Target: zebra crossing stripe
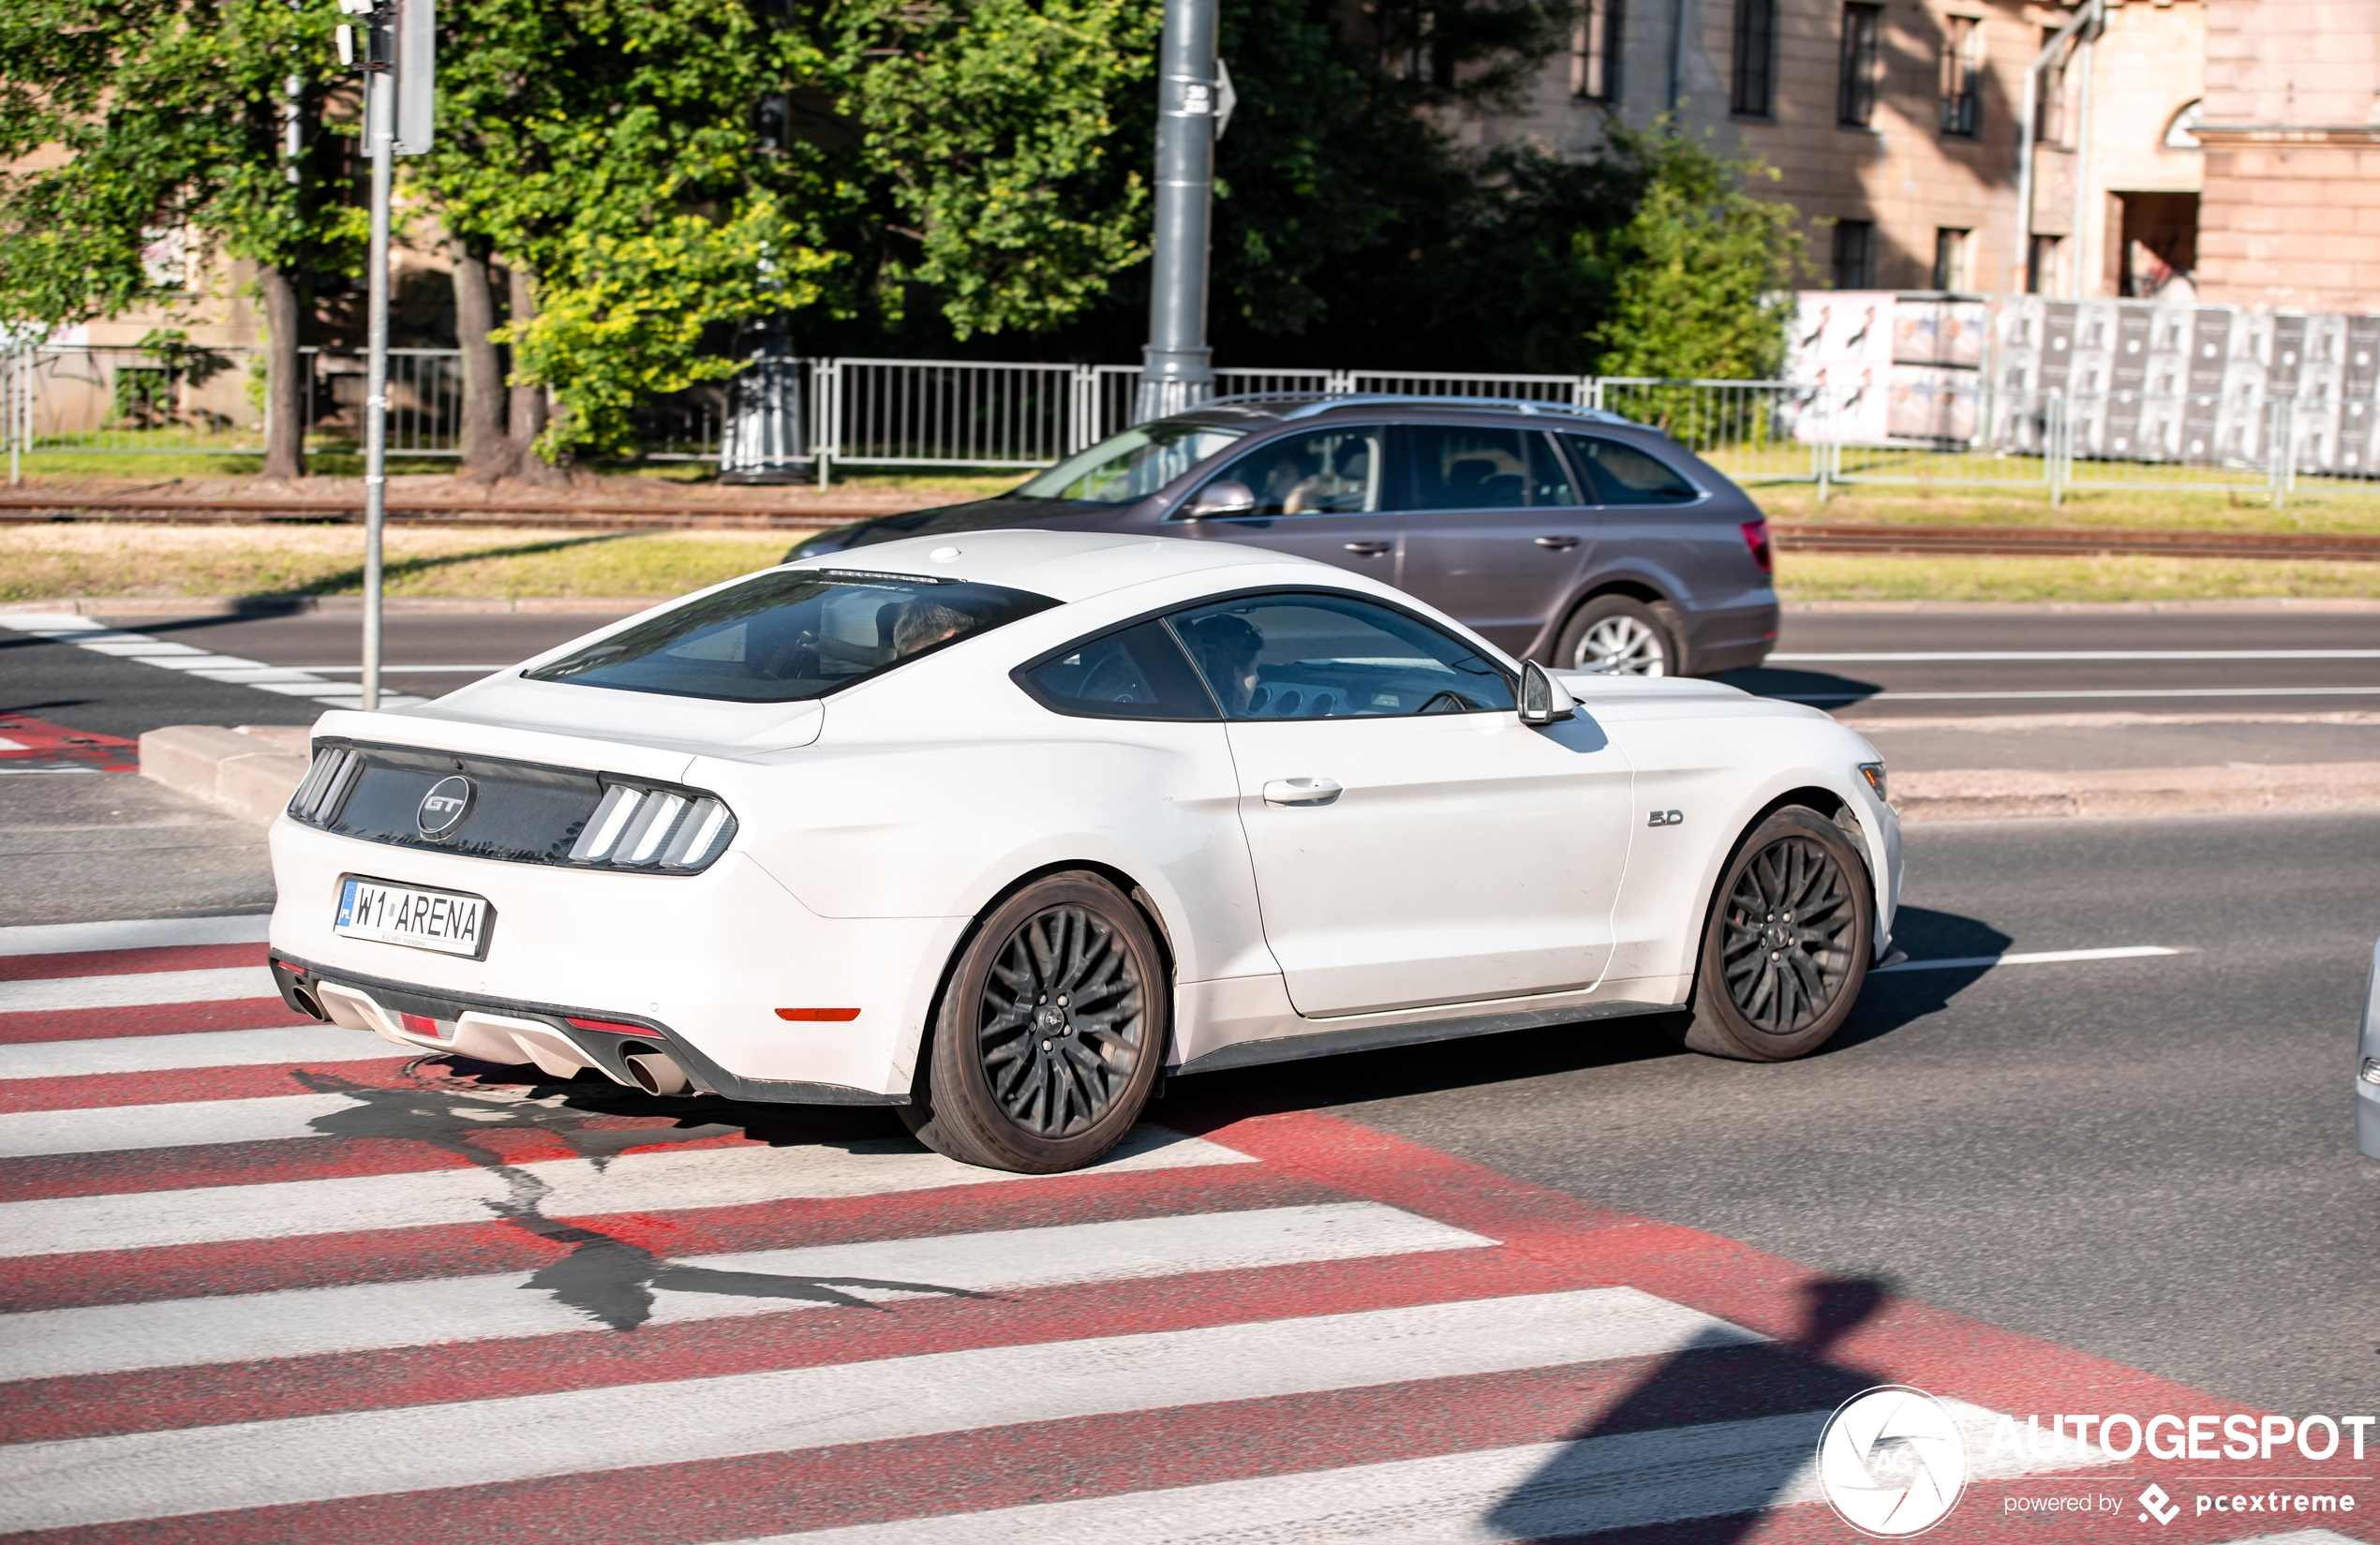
[557,1188]
[367,1453]
[113,1338]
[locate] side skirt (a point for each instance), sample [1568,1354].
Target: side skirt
[1329,1043]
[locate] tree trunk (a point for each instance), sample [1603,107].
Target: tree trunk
[486,453]
[527,418]
[284,381]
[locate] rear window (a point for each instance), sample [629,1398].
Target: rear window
[783,637]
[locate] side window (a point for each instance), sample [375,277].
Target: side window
[1334,471]
[1137,673]
[1622,474]
[1319,656]
[1548,479]
[1456,469]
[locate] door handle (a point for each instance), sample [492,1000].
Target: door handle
[1560,545]
[1371,549]
[1301,791]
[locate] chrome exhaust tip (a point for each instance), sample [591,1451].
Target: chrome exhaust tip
[656,1074]
[307,1002]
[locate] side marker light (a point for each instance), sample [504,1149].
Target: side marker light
[1874,773]
[836,1016]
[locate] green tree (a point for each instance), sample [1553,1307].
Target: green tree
[1698,281]
[131,118]
[614,156]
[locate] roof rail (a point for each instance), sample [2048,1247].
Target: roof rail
[1310,402]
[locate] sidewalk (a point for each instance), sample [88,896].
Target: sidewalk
[2128,763]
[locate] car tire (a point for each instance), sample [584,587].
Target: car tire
[1051,1025]
[1619,635]
[1772,985]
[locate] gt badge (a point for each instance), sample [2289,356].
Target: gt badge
[1667,818]
[444,807]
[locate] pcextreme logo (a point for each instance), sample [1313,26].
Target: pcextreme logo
[1891,1462]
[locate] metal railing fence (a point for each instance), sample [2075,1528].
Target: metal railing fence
[1949,429]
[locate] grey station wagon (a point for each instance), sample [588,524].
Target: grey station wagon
[1568,536]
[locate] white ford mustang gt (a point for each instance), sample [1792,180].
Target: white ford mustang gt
[1000,830]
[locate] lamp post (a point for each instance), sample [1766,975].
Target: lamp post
[1176,370]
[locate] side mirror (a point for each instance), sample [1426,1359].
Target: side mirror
[1218,499]
[1543,700]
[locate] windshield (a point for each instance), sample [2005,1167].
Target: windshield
[782,637]
[1132,464]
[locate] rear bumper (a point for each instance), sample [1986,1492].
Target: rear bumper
[1737,638]
[702,962]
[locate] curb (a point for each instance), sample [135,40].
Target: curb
[2001,794]
[248,772]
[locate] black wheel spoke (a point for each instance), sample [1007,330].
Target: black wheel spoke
[1059,1027]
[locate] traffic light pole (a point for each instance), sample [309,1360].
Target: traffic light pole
[381,126]
[1176,369]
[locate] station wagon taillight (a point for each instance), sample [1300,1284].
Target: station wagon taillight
[1756,537]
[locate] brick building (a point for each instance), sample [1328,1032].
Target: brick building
[2181,149]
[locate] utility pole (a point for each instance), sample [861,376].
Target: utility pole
[400,84]
[1193,102]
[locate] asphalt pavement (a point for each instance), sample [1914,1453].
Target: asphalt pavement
[1884,668]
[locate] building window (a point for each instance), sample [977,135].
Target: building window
[2050,110]
[1962,76]
[1855,88]
[1595,51]
[1755,59]
[2041,269]
[1950,258]
[1854,266]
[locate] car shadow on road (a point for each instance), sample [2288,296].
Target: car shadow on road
[1716,1434]
[1818,689]
[1892,998]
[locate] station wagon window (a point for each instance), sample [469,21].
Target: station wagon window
[788,635]
[1463,469]
[1132,464]
[1548,479]
[1622,474]
[1334,471]
[1137,673]
[1318,656]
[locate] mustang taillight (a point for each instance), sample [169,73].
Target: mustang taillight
[1756,537]
[326,784]
[654,828]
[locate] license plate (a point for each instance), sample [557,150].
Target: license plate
[442,920]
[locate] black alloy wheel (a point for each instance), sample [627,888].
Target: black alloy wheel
[1049,1033]
[1787,946]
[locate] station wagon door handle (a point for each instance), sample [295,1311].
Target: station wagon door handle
[1371,549]
[1560,545]
[1301,791]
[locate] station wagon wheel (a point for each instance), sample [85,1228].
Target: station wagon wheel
[1617,636]
[1049,1031]
[1786,948]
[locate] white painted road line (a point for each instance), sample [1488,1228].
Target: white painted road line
[115,1129]
[2034,957]
[406,670]
[115,1338]
[555,1188]
[135,933]
[1540,1490]
[137,989]
[196,1049]
[2107,691]
[366,1453]
[288,680]
[2017,654]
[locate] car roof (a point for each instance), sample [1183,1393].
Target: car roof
[1066,566]
[1285,406]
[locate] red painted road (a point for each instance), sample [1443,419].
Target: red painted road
[605,1318]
